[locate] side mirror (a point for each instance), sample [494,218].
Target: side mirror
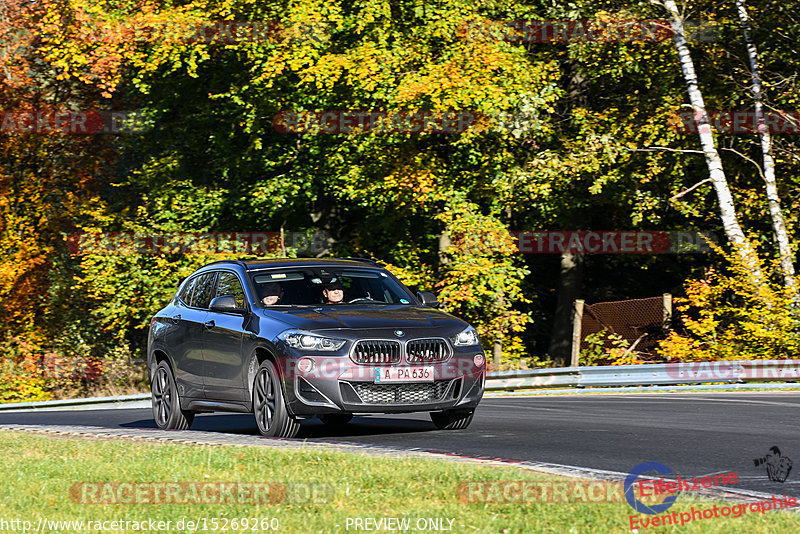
[225,304]
[428,299]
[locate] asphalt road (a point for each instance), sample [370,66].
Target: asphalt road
[693,434]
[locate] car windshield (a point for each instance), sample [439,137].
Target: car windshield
[327,286]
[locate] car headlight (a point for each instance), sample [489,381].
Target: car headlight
[467,337]
[305,341]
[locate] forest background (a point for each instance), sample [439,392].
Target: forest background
[582,128]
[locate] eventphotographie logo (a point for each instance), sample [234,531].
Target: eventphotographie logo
[633,478]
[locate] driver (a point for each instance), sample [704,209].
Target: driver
[333,293]
[272,294]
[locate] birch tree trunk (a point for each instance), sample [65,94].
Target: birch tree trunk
[727,210]
[775,212]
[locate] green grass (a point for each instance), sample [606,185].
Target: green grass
[38,471]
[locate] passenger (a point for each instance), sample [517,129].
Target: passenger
[333,293]
[273,293]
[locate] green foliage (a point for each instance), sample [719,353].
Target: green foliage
[608,348]
[481,277]
[596,349]
[726,316]
[126,290]
[68,365]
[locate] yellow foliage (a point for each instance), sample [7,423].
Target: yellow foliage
[728,316]
[481,280]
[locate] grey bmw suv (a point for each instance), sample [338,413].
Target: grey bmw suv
[292,339]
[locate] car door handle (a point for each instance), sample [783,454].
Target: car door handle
[176,318]
[209,325]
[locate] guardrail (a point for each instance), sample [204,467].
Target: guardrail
[138,400]
[664,374]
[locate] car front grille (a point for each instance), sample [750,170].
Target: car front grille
[400,393]
[427,350]
[376,352]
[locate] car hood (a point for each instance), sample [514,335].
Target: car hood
[361,317]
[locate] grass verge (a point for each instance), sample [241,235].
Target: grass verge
[65,479]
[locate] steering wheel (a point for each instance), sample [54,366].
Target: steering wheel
[361,299]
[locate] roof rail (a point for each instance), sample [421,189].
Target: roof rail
[362,260]
[238,262]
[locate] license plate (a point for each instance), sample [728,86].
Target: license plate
[386,375]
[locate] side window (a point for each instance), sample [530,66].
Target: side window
[228,284]
[204,290]
[186,294]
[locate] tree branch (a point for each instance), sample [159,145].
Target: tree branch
[695,186]
[746,158]
[665,149]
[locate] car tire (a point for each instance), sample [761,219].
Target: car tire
[335,419]
[269,407]
[452,419]
[166,401]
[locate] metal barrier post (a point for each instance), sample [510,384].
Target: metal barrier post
[577,319]
[667,299]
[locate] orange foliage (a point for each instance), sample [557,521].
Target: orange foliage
[46,179]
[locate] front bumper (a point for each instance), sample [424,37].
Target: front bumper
[339,385]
